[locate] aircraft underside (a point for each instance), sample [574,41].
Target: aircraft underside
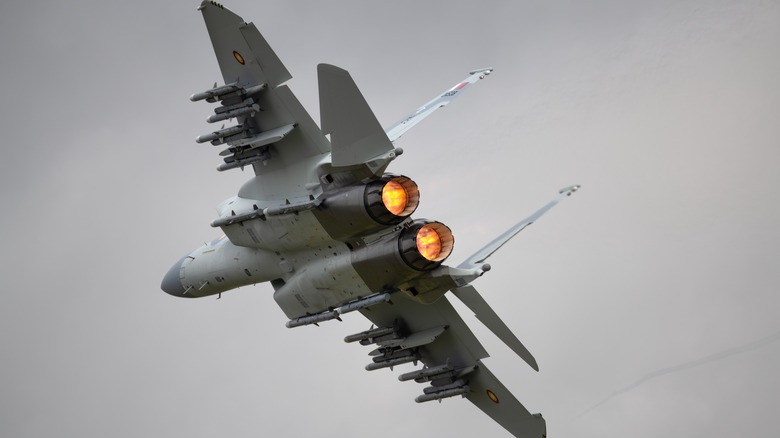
[332,231]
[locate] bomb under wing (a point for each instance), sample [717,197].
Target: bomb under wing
[325,223]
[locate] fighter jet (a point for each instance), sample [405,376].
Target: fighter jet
[332,231]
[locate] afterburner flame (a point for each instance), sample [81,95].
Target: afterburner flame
[428,243]
[394,197]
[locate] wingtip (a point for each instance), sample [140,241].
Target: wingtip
[570,189]
[485,71]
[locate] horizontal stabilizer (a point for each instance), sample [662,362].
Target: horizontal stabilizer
[398,128]
[482,310]
[481,255]
[355,134]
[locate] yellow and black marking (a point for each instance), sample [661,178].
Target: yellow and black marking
[492,396]
[238,57]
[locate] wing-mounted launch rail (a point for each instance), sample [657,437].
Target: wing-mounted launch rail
[247,144]
[431,393]
[263,213]
[328,315]
[446,381]
[393,344]
[396,347]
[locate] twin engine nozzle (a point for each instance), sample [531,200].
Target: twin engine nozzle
[424,244]
[356,211]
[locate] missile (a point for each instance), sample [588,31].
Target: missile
[216,91]
[237,93]
[380,339]
[434,389]
[224,109]
[368,334]
[334,314]
[222,92]
[383,351]
[237,218]
[233,113]
[222,133]
[363,303]
[293,208]
[394,355]
[425,373]
[312,319]
[392,362]
[241,163]
[442,394]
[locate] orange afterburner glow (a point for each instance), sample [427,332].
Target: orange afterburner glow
[429,243]
[425,244]
[394,197]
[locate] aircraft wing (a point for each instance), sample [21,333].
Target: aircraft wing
[437,336]
[274,131]
[397,129]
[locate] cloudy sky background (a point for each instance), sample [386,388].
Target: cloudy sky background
[650,298]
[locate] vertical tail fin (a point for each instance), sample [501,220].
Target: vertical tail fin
[355,134]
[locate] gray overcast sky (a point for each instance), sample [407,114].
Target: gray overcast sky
[657,283]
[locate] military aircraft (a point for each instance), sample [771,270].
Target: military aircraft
[332,231]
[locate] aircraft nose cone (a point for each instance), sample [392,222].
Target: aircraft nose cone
[171,283]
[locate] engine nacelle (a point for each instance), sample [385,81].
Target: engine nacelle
[359,210]
[417,249]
